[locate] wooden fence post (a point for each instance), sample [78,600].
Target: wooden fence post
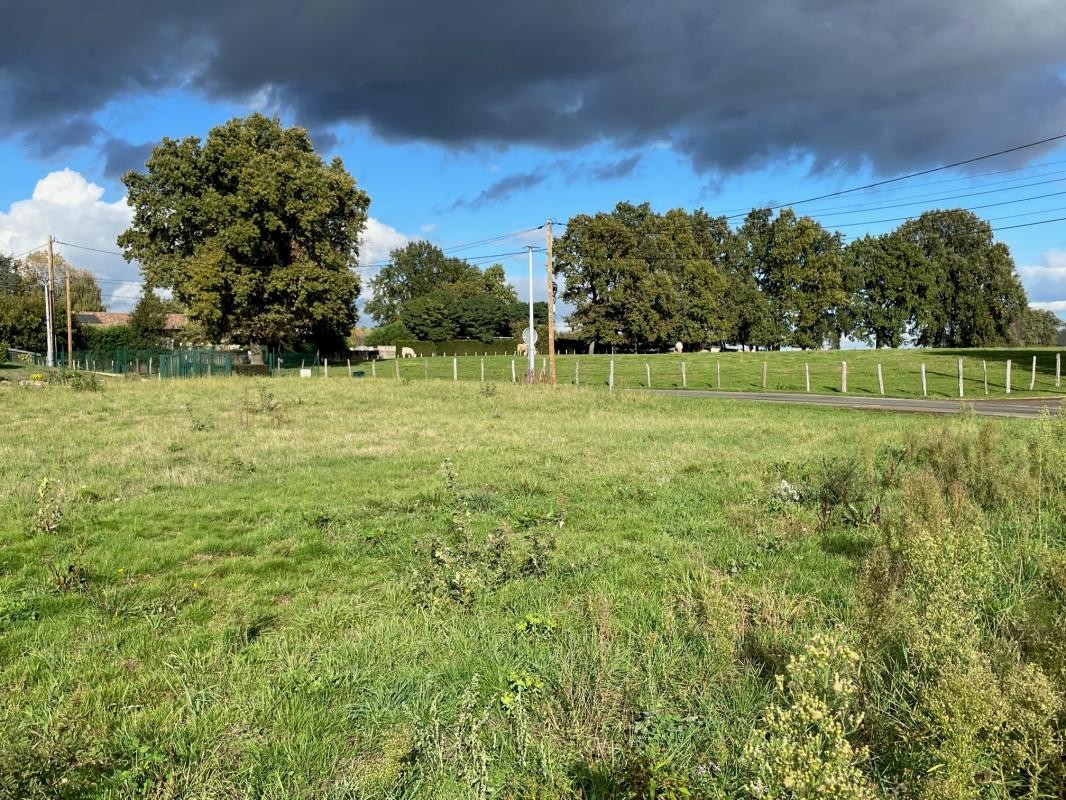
[807,377]
[397,368]
[373,369]
[1032,376]
[925,388]
[1058,370]
[984,374]
[647,375]
[684,377]
[764,375]
[513,378]
[577,373]
[844,377]
[482,370]
[1008,376]
[349,368]
[455,368]
[961,394]
[880,381]
[325,367]
[610,378]
[718,370]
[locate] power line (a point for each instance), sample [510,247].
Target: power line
[917,174]
[1030,224]
[31,250]
[969,208]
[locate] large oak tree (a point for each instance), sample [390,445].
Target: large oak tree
[252,231]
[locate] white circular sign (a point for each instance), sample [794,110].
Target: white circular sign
[529,337]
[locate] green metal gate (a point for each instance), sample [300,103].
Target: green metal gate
[195,364]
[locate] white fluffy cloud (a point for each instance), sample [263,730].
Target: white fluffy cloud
[378,241]
[1045,283]
[65,205]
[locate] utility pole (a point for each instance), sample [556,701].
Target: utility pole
[70,324]
[551,302]
[531,376]
[49,311]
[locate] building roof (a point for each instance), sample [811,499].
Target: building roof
[106,319]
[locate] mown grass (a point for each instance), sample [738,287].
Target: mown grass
[234,601]
[901,371]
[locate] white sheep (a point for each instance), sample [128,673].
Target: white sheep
[522,349]
[408,352]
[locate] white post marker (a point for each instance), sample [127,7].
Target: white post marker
[844,377]
[397,361]
[482,370]
[647,375]
[718,369]
[807,377]
[764,375]
[455,368]
[880,380]
[684,377]
[513,378]
[349,368]
[984,374]
[1008,376]
[577,373]
[610,378]
[961,394]
[925,390]
[1032,376]
[1058,370]
[325,367]
[373,369]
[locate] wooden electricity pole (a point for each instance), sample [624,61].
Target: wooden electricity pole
[551,301]
[50,315]
[70,324]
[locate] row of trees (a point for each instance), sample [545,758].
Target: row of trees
[424,294]
[641,280]
[22,318]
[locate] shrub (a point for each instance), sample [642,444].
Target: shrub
[956,708]
[252,370]
[48,514]
[804,747]
[79,381]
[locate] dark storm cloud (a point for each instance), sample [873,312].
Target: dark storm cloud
[610,172]
[504,188]
[732,84]
[121,156]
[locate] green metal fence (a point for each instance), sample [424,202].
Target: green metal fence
[122,361]
[195,364]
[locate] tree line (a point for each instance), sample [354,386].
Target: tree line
[641,280]
[256,238]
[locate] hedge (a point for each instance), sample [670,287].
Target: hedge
[471,347]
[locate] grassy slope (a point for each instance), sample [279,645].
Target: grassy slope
[785,371]
[248,625]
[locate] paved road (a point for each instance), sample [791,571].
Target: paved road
[989,408]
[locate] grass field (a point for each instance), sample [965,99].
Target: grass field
[901,371]
[326,589]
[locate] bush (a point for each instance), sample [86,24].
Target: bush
[252,370]
[955,706]
[389,333]
[803,748]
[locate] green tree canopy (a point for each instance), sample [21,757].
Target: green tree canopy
[1038,327]
[641,279]
[85,294]
[421,268]
[890,272]
[969,294]
[148,320]
[252,231]
[800,268]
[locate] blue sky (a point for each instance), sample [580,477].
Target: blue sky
[437,116]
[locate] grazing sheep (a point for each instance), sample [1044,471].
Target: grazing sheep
[408,352]
[678,347]
[522,349]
